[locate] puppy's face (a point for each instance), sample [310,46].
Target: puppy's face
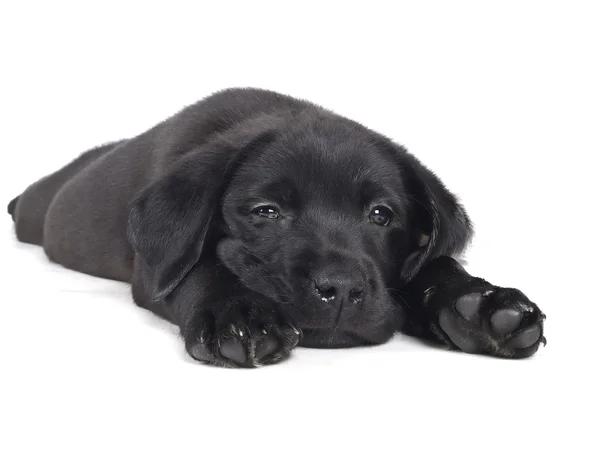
[321,224]
[325,217]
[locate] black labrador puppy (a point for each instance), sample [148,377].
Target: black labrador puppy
[256,222]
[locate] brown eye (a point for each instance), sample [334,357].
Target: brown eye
[381,215]
[266,212]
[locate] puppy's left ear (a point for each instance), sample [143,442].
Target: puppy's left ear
[440,224]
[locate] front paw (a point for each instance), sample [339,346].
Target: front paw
[481,318]
[245,334]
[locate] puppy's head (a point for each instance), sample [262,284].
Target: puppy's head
[322,216]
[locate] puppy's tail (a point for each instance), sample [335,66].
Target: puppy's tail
[12,206]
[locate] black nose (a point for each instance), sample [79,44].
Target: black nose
[339,286]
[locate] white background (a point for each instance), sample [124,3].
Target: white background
[501,99]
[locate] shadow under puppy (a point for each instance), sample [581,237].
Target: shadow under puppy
[256,222]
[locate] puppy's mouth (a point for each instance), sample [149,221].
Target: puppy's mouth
[343,323]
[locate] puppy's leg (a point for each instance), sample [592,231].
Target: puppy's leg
[470,314]
[28,210]
[223,323]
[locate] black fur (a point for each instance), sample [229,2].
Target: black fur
[256,222]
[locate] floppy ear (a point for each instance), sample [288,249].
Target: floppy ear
[170,220]
[441,224]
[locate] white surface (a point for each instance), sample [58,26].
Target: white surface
[501,102]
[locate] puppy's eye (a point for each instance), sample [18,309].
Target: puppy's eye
[266,212]
[381,215]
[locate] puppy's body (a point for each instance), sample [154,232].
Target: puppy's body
[79,213]
[254,220]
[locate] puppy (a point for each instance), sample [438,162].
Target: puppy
[257,222]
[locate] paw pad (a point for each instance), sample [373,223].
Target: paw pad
[496,321]
[525,338]
[505,321]
[266,346]
[242,337]
[469,304]
[232,349]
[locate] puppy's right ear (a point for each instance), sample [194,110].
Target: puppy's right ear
[442,225]
[171,219]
